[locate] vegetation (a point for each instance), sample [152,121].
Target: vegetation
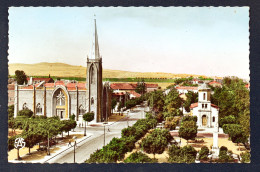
[87,117]
[20,77]
[139,157]
[113,104]
[225,155]
[203,153]
[141,87]
[25,112]
[133,102]
[245,157]
[156,142]
[188,130]
[156,100]
[227,120]
[172,104]
[117,148]
[191,98]
[186,154]
[171,122]
[10,111]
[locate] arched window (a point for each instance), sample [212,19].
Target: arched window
[206,106]
[25,106]
[204,96]
[213,120]
[38,109]
[92,100]
[81,110]
[202,105]
[60,99]
[91,75]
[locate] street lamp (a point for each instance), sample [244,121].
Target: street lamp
[104,132]
[75,144]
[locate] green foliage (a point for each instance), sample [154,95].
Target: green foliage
[191,98]
[245,157]
[133,102]
[172,113]
[113,103]
[72,117]
[188,130]
[10,111]
[172,102]
[203,153]
[25,112]
[224,155]
[120,106]
[227,120]
[156,100]
[20,77]
[89,116]
[233,100]
[181,80]
[171,122]
[187,154]
[235,132]
[139,157]
[189,118]
[141,87]
[156,142]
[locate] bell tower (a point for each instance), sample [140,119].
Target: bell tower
[94,79]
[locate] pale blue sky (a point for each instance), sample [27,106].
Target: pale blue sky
[207,41]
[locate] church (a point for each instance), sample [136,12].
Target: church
[65,98]
[206,112]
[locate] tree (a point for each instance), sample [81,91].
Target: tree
[10,111]
[72,117]
[141,87]
[113,104]
[156,142]
[156,100]
[87,118]
[227,120]
[172,101]
[139,157]
[191,98]
[187,154]
[245,157]
[203,153]
[25,112]
[188,130]
[20,77]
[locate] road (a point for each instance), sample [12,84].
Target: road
[96,141]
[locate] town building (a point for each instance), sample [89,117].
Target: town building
[65,98]
[215,84]
[206,112]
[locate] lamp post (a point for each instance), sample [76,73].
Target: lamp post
[104,132]
[75,144]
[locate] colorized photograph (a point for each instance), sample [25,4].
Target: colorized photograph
[128,85]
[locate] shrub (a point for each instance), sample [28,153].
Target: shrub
[25,112]
[189,118]
[139,157]
[187,154]
[203,153]
[227,120]
[245,157]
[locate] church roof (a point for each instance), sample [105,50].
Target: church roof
[193,105]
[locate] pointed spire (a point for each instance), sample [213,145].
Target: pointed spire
[95,47]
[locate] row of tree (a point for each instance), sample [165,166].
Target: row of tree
[117,147]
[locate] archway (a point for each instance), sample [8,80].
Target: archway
[60,104]
[204,120]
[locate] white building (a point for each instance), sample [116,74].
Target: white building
[186,89]
[206,112]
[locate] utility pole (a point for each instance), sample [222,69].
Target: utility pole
[104,132]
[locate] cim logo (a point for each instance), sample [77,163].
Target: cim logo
[19,143]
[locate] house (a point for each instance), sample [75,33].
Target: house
[185,89]
[215,84]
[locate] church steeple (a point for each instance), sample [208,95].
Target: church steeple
[95,47]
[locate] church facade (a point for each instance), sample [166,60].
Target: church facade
[206,112]
[65,98]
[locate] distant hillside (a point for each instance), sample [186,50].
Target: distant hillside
[66,70]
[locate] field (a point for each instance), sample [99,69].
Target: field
[66,70]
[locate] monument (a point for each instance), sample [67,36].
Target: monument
[215,148]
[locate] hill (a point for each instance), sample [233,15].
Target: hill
[66,70]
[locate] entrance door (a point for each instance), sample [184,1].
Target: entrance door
[204,120]
[60,113]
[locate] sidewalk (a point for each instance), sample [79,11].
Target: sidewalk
[41,156]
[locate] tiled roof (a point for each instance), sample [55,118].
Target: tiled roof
[123,86]
[214,82]
[135,94]
[193,105]
[186,88]
[40,79]
[151,85]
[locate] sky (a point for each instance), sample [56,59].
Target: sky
[211,41]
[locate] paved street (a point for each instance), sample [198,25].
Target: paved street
[96,141]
